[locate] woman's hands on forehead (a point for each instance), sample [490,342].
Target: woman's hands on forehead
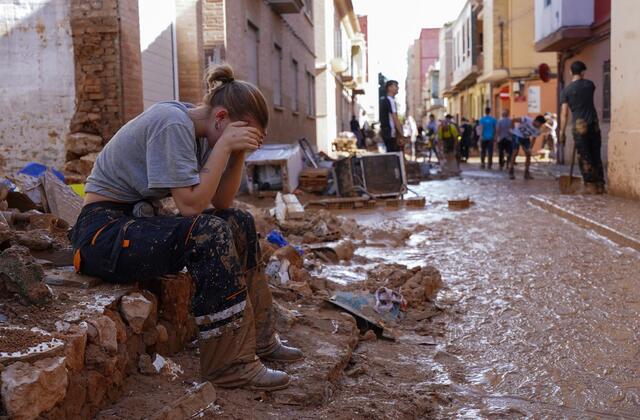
[239,136]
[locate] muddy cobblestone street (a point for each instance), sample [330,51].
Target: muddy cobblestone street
[541,315]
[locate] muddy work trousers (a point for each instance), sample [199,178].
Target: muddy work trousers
[588,144]
[232,302]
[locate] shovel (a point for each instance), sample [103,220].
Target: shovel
[570,184]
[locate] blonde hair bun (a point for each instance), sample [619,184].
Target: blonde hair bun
[219,76]
[241,99]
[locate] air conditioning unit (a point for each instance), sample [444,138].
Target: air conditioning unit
[286,6]
[380,175]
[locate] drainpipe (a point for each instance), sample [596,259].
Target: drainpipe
[501,24]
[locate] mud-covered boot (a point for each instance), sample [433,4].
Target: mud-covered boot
[527,175]
[282,353]
[268,380]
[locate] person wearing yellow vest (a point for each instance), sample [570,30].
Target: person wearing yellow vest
[448,136]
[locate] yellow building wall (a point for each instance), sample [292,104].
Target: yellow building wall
[521,26]
[624,146]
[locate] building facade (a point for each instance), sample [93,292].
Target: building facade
[422,55]
[623,144]
[511,65]
[579,30]
[340,68]
[268,43]
[63,73]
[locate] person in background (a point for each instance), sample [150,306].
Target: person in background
[552,136]
[488,124]
[477,133]
[355,129]
[505,142]
[390,127]
[524,135]
[448,136]
[466,138]
[578,97]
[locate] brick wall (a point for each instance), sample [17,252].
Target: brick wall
[106,45]
[294,34]
[189,40]
[213,25]
[95,31]
[130,56]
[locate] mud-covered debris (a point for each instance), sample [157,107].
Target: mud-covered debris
[197,402]
[145,365]
[291,254]
[20,274]
[37,240]
[422,287]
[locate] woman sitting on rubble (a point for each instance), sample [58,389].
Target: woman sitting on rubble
[196,155]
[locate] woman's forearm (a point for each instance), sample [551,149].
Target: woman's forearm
[230,182]
[193,200]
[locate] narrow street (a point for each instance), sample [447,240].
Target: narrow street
[541,315]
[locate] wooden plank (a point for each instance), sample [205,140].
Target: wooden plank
[62,201]
[281,208]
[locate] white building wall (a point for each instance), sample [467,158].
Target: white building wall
[554,14]
[37,82]
[462,44]
[326,103]
[157,47]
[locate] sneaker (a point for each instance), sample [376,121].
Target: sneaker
[527,175]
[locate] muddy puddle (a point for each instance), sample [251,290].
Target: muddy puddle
[541,317]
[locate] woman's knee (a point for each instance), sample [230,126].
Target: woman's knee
[209,233]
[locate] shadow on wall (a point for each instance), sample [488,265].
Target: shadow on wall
[37,83]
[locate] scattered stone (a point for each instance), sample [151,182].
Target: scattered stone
[163,336]
[356,371]
[196,403]
[38,239]
[369,336]
[19,273]
[81,144]
[145,365]
[422,287]
[31,389]
[135,309]
[291,254]
[103,333]
[69,278]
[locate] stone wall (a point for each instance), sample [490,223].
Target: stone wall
[36,82]
[104,342]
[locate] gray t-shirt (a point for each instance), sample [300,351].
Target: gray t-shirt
[149,155]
